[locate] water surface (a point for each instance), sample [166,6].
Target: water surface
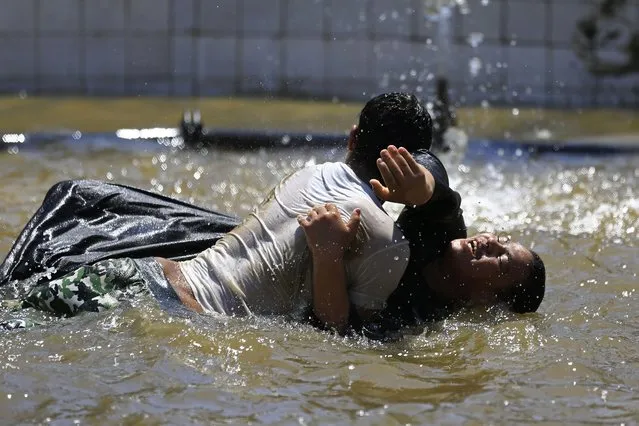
[573,362]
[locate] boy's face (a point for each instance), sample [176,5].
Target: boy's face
[478,268]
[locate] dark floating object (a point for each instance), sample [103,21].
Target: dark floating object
[134,139]
[192,134]
[195,135]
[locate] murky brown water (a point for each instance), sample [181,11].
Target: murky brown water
[574,362]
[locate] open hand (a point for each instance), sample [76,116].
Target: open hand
[406,181]
[326,233]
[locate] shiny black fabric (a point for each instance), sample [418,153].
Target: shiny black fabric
[81,222]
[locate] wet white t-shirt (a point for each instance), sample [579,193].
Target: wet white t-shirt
[264,266]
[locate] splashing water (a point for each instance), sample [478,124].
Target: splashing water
[440,11]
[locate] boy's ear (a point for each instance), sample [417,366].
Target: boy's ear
[352,138]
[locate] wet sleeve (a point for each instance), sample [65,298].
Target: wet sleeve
[445,203]
[432,226]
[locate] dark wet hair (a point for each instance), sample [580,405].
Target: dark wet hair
[527,296]
[392,118]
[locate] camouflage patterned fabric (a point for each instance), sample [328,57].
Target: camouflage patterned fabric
[15,324]
[91,288]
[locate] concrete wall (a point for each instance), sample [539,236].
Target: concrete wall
[520,52]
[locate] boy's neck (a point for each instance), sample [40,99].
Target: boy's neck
[363,173]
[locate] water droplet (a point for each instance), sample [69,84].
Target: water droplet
[543,134]
[474,66]
[475,39]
